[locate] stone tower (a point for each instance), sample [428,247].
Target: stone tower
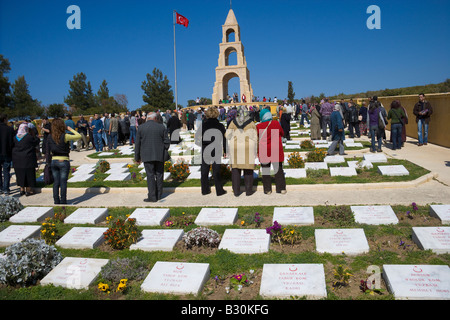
[224,71]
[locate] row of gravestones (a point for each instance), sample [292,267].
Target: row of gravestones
[351,241]
[278,280]
[120,172]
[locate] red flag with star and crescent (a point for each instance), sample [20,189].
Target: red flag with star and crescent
[182,20]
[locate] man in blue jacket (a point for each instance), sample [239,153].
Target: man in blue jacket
[337,132]
[97,129]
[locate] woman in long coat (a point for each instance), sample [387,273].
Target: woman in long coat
[242,140]
[315,123]
[24,159]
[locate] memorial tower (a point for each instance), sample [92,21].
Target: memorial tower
[225,71]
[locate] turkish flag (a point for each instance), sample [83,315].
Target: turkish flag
[182,20]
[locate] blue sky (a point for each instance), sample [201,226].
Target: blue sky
[319,45]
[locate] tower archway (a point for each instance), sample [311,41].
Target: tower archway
[231,63]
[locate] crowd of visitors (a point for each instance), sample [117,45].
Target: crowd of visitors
[250,133]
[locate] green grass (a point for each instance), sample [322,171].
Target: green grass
[313,177]
[224,262]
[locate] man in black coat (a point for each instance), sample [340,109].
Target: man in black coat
[151,142]
[6,143]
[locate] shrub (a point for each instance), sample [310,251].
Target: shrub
[307,144]
[167,166]
[179,221]
[225,171]
[122,233]
[295,160]
[103,166]
[49,232]
[275,231]
[250,219]
[179,171]
[317,155]
[9,206]
[27,262]
[290,236]
[128,268]
[342,216]
[201,237]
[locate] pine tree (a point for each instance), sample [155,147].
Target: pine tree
[291,93]
[157,91]
[23,103]
[5,86]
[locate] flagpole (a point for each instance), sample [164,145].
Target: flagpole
[175,61]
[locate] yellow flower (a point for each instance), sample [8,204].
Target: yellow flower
[292,231]
[44,231]
[242,222]
[53,233]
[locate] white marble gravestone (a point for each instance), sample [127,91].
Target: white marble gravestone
[81,177]
[338,241]
[363,164]
[87,216]
[15,233]
[334,159]
[105,154]
[176,278]
[418,282]
[294,216]
[287,280]
[32,214]
[374,215]
[441,211]
[245,240]
[150,216]
[117,171]
[158,240]
[295,173]
[117,165]
[436,239]
[217,216]
[397,170]
[119,177]
[316,165]
[292,146]
[353,145]
[375,157]
[82,238]
[74,273]
[343,171]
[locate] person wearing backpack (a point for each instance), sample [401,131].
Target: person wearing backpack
[396,114]
[375,124]
[353,120]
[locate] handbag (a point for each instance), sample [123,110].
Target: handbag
[381,121]
[48,174]
[166,155]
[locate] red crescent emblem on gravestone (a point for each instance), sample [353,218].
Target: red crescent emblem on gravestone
[293,269]
[180,267]
[417,269]
[84,261]
[339,232]
[247,232]
[438,229]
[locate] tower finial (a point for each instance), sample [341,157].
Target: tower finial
[231,4]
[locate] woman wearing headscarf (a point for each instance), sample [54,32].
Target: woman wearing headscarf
[231,115]
[270,152]
[242,141]
[59,146]
[24,159]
